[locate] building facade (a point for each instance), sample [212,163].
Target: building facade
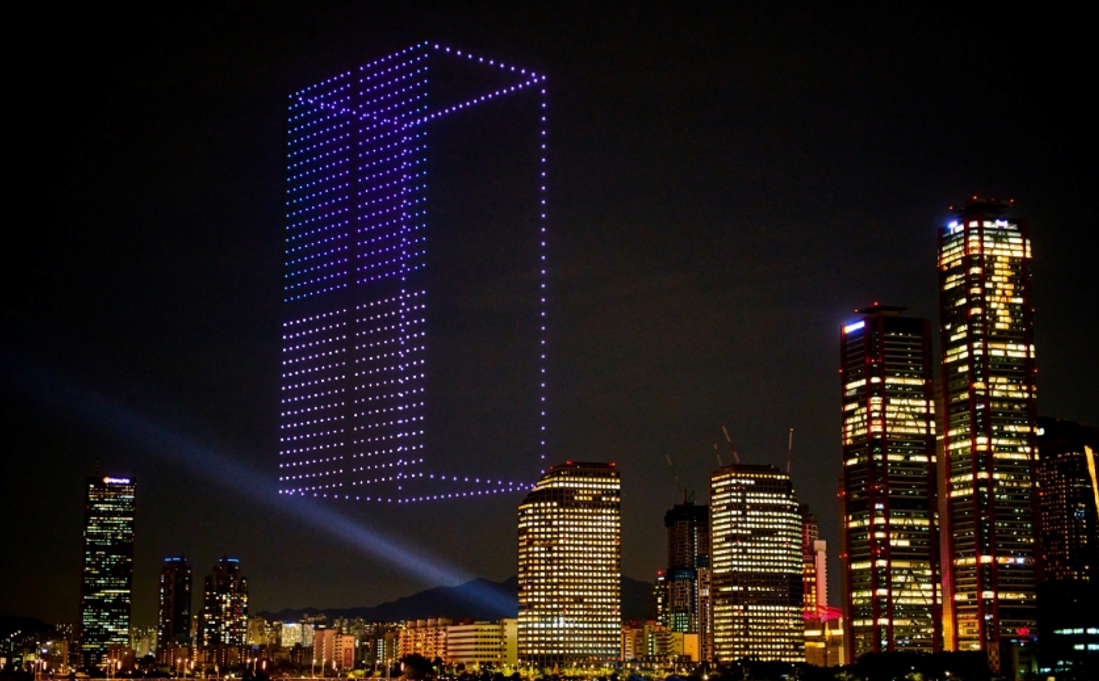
[890,498]
[570,567]
[108,573]
[824,636]
[685,605]
[814,563]
[988,385]
[173,631]
[333,650]
[427,637]
[480,645]
[361,347]
[224,612]
[757,565]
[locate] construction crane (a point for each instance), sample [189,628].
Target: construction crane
[736,457]
[789,451]
[675,475]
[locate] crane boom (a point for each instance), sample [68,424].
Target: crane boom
[736,457]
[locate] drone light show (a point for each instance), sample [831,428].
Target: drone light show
[414,282]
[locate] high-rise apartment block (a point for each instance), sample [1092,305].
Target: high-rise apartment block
[334,650]
[757,565]
[569,567]
[108,574]
[989,434]
[686,606]
[889,497]
[173,632]
[224,612]
[384,290]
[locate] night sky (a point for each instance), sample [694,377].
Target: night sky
[725,187]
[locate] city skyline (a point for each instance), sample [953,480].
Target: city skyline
[720,206]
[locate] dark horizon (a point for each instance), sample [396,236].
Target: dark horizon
[725,187]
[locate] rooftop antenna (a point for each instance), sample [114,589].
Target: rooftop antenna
[717,453]
[789,451]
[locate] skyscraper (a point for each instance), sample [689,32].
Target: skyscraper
[404,296]
[1068,501]
[224,612]
[569,567]
[889,485]
[108,573]
[686,607]
[757,565]
[989,433]
[1068,507]
[173,632]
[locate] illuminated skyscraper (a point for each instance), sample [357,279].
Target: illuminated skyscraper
[757,565]
[224,611]
[569,567]
[414,279]
[1068,500]
[108,574]
[686,607]
[989,435]
[1068,506]
[889,485]
[173,632]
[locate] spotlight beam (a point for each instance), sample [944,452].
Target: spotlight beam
[120,421]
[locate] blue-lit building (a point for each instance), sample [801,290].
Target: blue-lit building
[413,337]
[108,574]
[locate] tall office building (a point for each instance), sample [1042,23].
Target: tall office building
[889,519]
[224,611]
[686,604]
[757,565]
[108,574]
[173,632]
[1068,507]
[402,297]
[1068,500]
[989,432]
[569,567]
